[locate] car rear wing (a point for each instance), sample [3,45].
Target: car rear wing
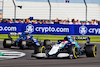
[82,38]
[13,34]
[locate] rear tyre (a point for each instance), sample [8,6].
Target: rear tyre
[91,50]
[7,43]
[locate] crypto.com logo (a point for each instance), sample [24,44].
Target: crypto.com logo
[30,28]
[83,30]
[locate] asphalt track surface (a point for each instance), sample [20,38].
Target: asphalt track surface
[28,61]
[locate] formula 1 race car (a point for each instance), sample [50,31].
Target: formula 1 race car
[24,40]
[66,48]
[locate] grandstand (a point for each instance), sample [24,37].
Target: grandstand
[40,10]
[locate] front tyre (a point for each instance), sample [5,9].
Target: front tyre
[23,44]
[91,50]
[72,49]
[43,49]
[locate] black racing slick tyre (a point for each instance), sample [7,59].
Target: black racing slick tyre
[72,49]
[37,49]
[46,42]
[91,50]
[7,43]
[23,44]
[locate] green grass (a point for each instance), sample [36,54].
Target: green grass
[51,37]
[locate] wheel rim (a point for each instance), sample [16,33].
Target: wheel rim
[74,52]
[94,51]
[43,47]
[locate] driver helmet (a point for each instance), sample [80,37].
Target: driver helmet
[70,38]
[66,39]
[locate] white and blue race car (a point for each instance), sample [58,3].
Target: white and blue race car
[66,48]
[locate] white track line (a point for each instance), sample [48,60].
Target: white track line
[11,54]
